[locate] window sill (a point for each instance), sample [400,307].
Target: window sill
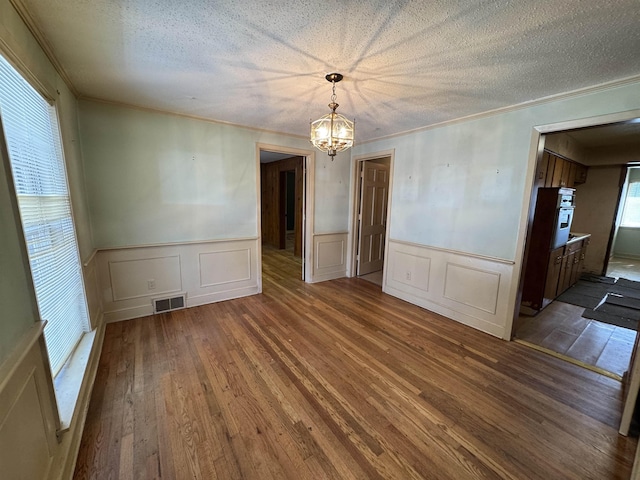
[68,382]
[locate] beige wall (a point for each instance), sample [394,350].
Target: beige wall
[596,202]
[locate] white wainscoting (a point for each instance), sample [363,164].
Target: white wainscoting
[330,254]
[130,278]
[470,289]
[28,421]
[92,290]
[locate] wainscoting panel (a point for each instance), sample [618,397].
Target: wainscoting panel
[225,267]
[130,278]
[28,444]
[330,256]
[411,270]
[92,291]
[134,278]
[470,289]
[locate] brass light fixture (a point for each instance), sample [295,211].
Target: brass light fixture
[332,133]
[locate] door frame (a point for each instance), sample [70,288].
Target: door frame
[528,204]
[308,206]
[355,202]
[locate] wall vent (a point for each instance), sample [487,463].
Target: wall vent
[170,303]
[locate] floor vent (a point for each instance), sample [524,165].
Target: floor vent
[168,304]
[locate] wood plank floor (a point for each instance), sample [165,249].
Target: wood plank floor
[339,381]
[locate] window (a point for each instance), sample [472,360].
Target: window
[33,140]
[631,208]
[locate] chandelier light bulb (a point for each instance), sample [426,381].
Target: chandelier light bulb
[333,132]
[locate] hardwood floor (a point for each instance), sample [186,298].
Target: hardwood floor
[338,380]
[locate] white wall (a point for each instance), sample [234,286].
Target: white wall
[627,243]
[465,187]
[332,187]
[158,178]
[159,183]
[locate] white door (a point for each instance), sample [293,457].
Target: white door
[374,187]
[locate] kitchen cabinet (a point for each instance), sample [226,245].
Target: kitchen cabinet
[572,262]
[555,171]
[554,271]
[575,252]
[563,269]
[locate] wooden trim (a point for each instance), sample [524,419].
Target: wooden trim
[174,244]
[194,117]
[21,350]
[455,252]
[85,263]
[519,106]
[574,361]
[15,59]
[42,41]
[352,240]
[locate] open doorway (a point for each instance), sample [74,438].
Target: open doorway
[624,251]
[282,207]
[577,281]
[370,214]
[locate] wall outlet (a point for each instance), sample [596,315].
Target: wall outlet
[151,284]
[408,275]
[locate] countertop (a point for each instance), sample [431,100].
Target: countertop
[576,237]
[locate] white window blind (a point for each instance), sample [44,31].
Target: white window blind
[33,140]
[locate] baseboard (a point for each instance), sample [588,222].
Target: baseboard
[128,313]
[469,320]
[197,300]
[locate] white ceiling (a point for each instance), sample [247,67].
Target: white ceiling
[407,64]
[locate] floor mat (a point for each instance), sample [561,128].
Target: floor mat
[586,293]
[616,310]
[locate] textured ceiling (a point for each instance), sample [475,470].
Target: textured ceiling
[407,64]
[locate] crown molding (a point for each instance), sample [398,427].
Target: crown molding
[31,24]
[186,115]
[518,106]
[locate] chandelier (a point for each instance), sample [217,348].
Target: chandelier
[332,133]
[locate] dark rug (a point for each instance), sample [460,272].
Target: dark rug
[616,310]
[606,300]
[587,292]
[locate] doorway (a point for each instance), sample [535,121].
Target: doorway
[371,208]
[282,205]
[566,328]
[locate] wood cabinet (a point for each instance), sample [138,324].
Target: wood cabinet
[554,271]
[563,268]
[573,261]
[556,171]
[567,266]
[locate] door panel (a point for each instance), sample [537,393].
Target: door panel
[373,214]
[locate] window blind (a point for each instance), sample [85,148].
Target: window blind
[33,140]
